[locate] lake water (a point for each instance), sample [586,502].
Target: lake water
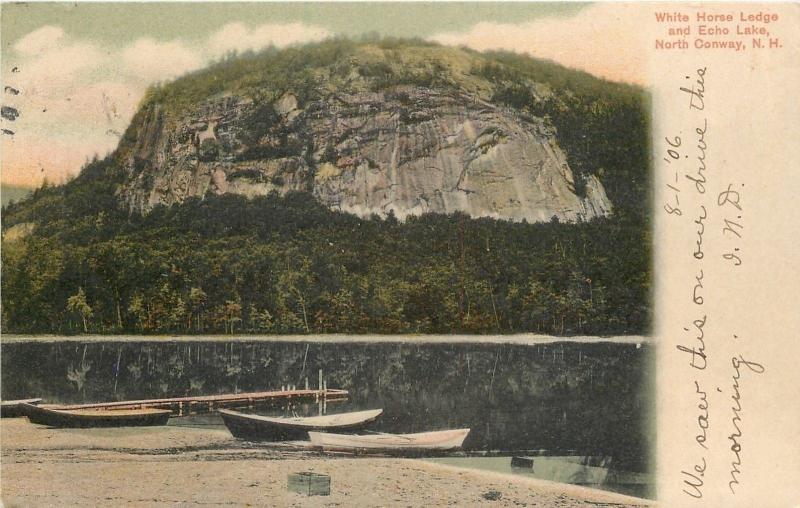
[568,398]
[563,470]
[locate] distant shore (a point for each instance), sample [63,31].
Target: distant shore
[524,339]
[173,465]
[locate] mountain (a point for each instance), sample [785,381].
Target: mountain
[373,186]
[365,128]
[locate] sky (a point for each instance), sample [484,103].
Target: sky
[81,69]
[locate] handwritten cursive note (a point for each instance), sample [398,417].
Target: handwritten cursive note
[699,201]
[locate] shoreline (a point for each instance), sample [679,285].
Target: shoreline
[587,494]
[525,339]
[169,465]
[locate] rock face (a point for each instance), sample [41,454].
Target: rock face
[407,150]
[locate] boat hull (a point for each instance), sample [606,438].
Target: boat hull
[13,408]
[92,419]
[424,443]
[259,428]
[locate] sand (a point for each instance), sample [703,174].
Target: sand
[184,466]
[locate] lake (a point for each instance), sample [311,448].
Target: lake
[558,397]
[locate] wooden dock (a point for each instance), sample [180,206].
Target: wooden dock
[183,406]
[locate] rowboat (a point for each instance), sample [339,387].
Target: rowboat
[393,444]
[266,428]
[83,418]
[13,409]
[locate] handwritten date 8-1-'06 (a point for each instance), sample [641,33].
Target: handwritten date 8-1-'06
[673,153]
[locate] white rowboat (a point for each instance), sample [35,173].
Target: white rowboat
[423,442]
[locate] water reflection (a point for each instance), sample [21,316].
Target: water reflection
[563,469]
[589,398]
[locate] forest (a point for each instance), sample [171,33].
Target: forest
[274,264]
[286,264]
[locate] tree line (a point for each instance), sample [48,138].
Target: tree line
[225,264]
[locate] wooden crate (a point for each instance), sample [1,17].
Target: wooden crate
[310,484]
[524,462]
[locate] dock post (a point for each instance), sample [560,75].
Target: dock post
[306,383]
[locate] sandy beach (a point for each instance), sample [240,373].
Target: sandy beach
[185,466]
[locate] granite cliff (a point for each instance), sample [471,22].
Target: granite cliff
[368,131]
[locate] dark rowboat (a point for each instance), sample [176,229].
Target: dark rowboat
[391,444]
[87,418]
[206,403]
[13,408]
[266,428]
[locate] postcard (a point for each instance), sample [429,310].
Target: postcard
[399,254]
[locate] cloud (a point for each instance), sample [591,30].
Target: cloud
[78,97]
[39,40]
[48,59]
[60,66]
[236,36]
[151,60]
[604,39]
